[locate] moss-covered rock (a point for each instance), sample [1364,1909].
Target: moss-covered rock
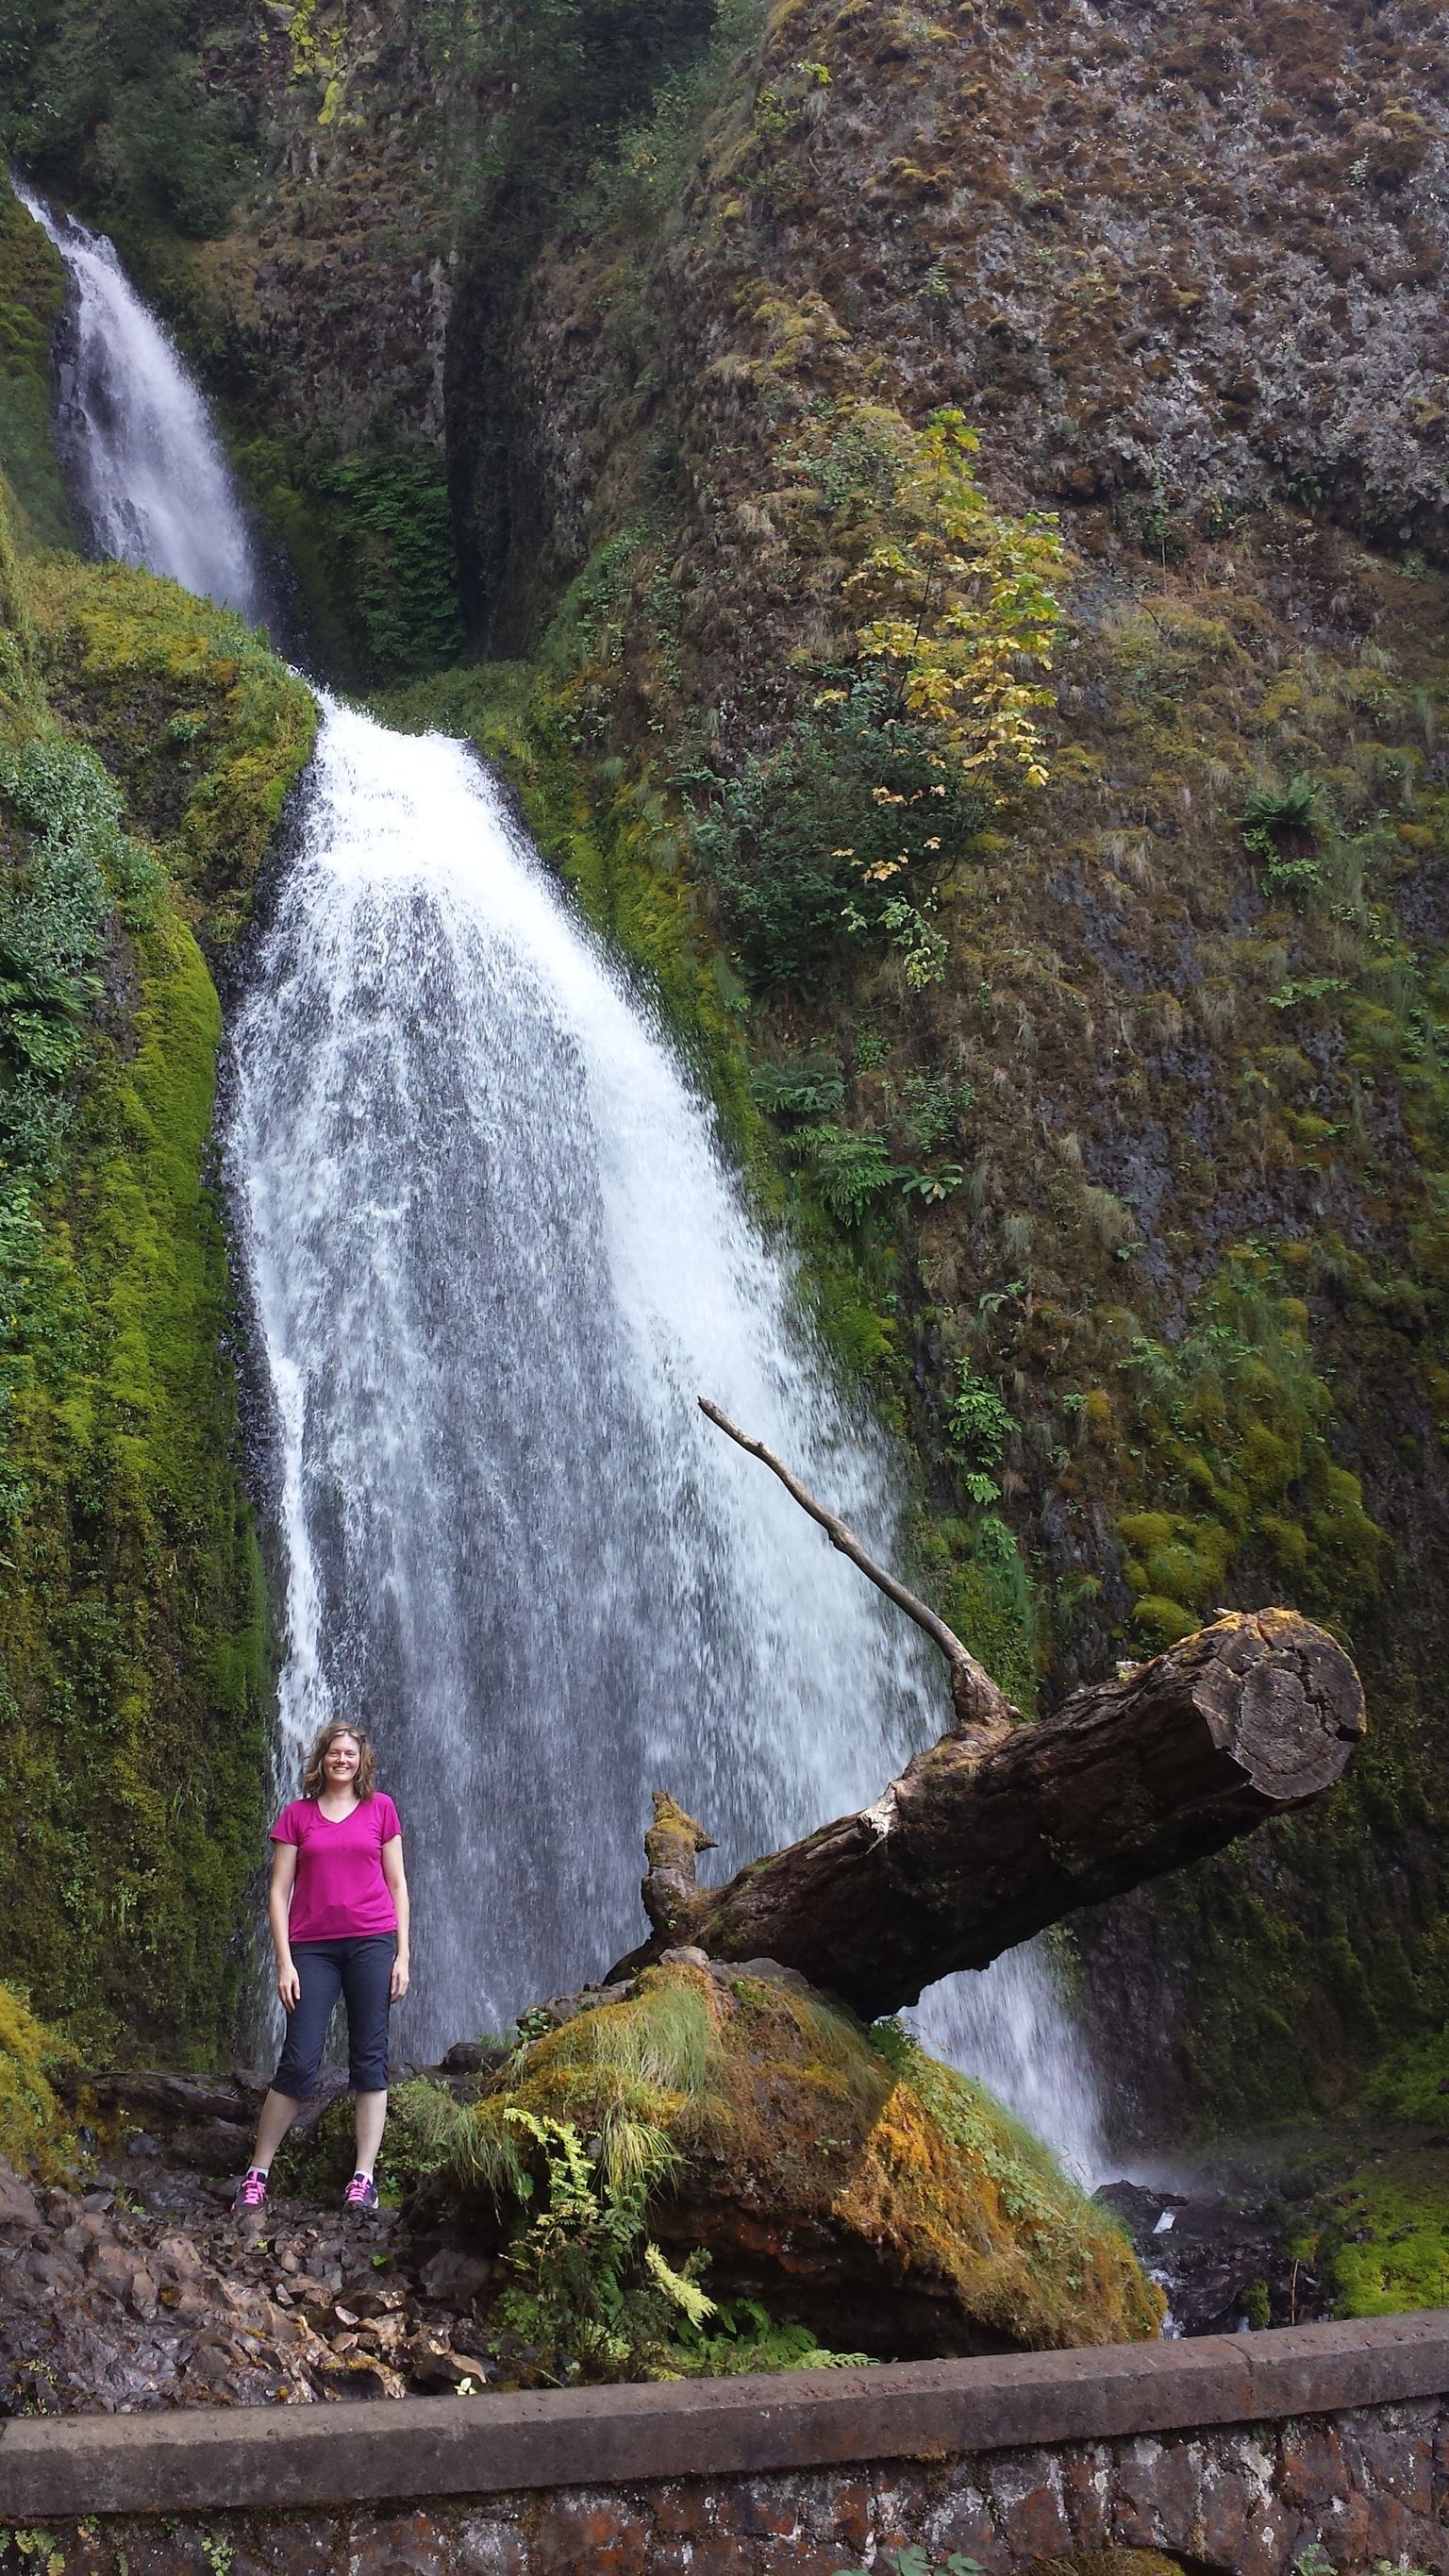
[836,2174]
[33,2125]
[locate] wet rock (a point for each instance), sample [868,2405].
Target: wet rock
[216,2146]
[373,2303]
[1219,2256]
[765,1972]
[180,2303]
[359,2377]
[436,2370]
[141,2296]
[153,2100]
[563,2008]
[882,2207]
[473,2057]
[110,2267]
[18,2204]
[457,2277]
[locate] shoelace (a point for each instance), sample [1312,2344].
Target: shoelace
[358,2192]
[253,2191]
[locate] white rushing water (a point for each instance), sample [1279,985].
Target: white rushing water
[143,463]
[495,1255]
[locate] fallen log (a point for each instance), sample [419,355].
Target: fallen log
[999,1830]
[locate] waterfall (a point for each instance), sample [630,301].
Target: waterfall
[144,466]
[495,1254]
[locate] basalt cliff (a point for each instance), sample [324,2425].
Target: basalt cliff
[942,519]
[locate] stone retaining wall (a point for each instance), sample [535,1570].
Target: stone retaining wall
[1235,2454]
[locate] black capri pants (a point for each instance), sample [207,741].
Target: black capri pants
[360,1971]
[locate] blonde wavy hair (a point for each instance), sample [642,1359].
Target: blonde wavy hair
[366,1780]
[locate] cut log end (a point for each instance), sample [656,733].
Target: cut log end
[1293,1707]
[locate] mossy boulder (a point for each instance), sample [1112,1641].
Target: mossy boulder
[835,2173]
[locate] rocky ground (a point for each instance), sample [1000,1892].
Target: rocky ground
[137,2287]
[1347,2217]
[1221,2256]
[131,2284]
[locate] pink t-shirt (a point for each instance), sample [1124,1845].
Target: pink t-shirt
[339,1893]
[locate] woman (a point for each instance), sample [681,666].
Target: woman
[338,1909]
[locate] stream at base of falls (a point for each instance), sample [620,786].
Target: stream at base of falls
[494,1255]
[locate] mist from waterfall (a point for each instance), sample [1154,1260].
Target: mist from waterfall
[495,1254]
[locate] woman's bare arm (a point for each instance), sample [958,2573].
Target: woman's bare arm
[279,1901]
[397,1888]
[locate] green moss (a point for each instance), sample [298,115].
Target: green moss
[1163,1622]
[32,292]
[975,1571]
[750,2095]
[202,722]
[1234,1424]
[1412,2082]
[33,2126]
[1385,2244]
[133,1642]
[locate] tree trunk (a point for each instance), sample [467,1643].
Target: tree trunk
[989,1836]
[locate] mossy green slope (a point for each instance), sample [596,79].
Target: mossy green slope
[133,1643]
[32,291]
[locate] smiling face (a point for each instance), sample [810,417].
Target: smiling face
[341,1763]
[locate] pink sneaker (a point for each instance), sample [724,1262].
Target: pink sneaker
[251,2190]
[361,2193]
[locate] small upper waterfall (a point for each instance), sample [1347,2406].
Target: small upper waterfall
[145,467]
[494,1255]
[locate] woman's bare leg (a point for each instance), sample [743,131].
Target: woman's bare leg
[370,2115]
[278,2112]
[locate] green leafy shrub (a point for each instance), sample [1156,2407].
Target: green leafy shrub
[1277,813]
[744,2335]
[850,1170]
[858,812]
[114,107]
[401,572]
[978,1427]
[588,2286]
[798,1091]
[964,618]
